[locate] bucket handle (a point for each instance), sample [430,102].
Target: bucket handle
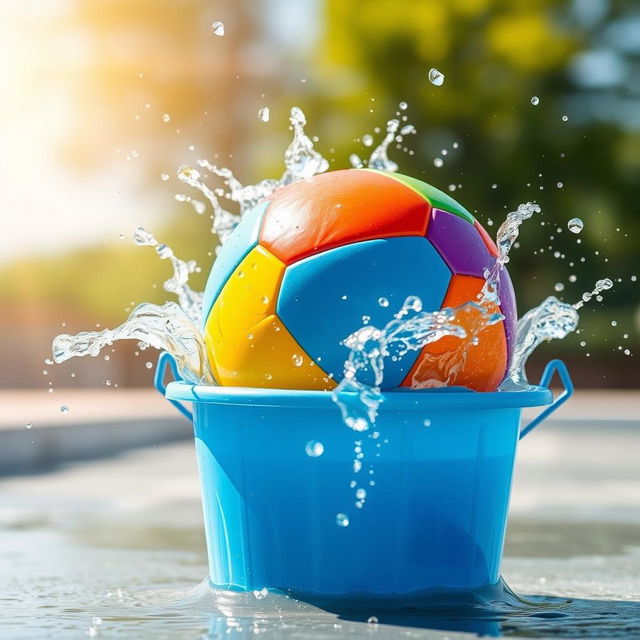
[555,366]
[166,361]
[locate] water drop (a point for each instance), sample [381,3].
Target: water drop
[367,140]
[575,225]
[403,106]
[438,162]
[560,185]
[297,360]
[218,29]
[342,520]
[565,118]
[64,409]
[265,300]
[558,286]
[573,278]
[314,448]
[261,593]
[383,302]
[166,117]
[149,365]
[356,161]
[164,177]
[426,422]
[361,494]
[372,620]
[264,114]
[28,425]
[614,323]
[535,101]
[435,77]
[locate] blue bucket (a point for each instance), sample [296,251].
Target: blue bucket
[433,523]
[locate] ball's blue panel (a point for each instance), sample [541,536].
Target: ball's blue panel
[238,244]
[324,297]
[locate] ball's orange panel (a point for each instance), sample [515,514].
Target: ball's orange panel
[458,362]
[337,208]
[247,344]
[488,240]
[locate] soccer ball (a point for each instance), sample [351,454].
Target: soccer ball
[307,267]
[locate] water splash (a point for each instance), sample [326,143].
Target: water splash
[165,327]
[190,300]
[174,327]
[550,320]
[301,160]
[358,395]
[380,157]
[601,285]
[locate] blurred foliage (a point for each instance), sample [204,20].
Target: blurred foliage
[370,56]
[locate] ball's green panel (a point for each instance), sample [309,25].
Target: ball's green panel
[438,199]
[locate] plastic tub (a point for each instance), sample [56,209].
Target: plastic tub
[434,522]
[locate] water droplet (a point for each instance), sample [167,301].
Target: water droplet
[435,77]
[314,448]
[164,177]
[558,286]
[342,520]
[45,372]
[64,409]
[535,101]
[264,114]
[265,300]
[383,302]
[297,360]
[575,225]
[261,593]
[560,185]
[218,29]
[438,162]
[361,494]
[426,422]
[149,365]
[614,323]
[573,278]
[166,117]
[367,140]
[403,106]
[28,425]
[565,118]
[372,620]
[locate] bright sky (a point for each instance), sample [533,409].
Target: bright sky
[44,206]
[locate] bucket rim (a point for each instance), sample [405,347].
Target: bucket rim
[446,398]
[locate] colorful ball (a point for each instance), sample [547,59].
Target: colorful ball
[300,271]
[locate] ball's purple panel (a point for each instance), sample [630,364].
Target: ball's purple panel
[459,243]
[509,311]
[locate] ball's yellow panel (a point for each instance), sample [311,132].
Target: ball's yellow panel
[247,344]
